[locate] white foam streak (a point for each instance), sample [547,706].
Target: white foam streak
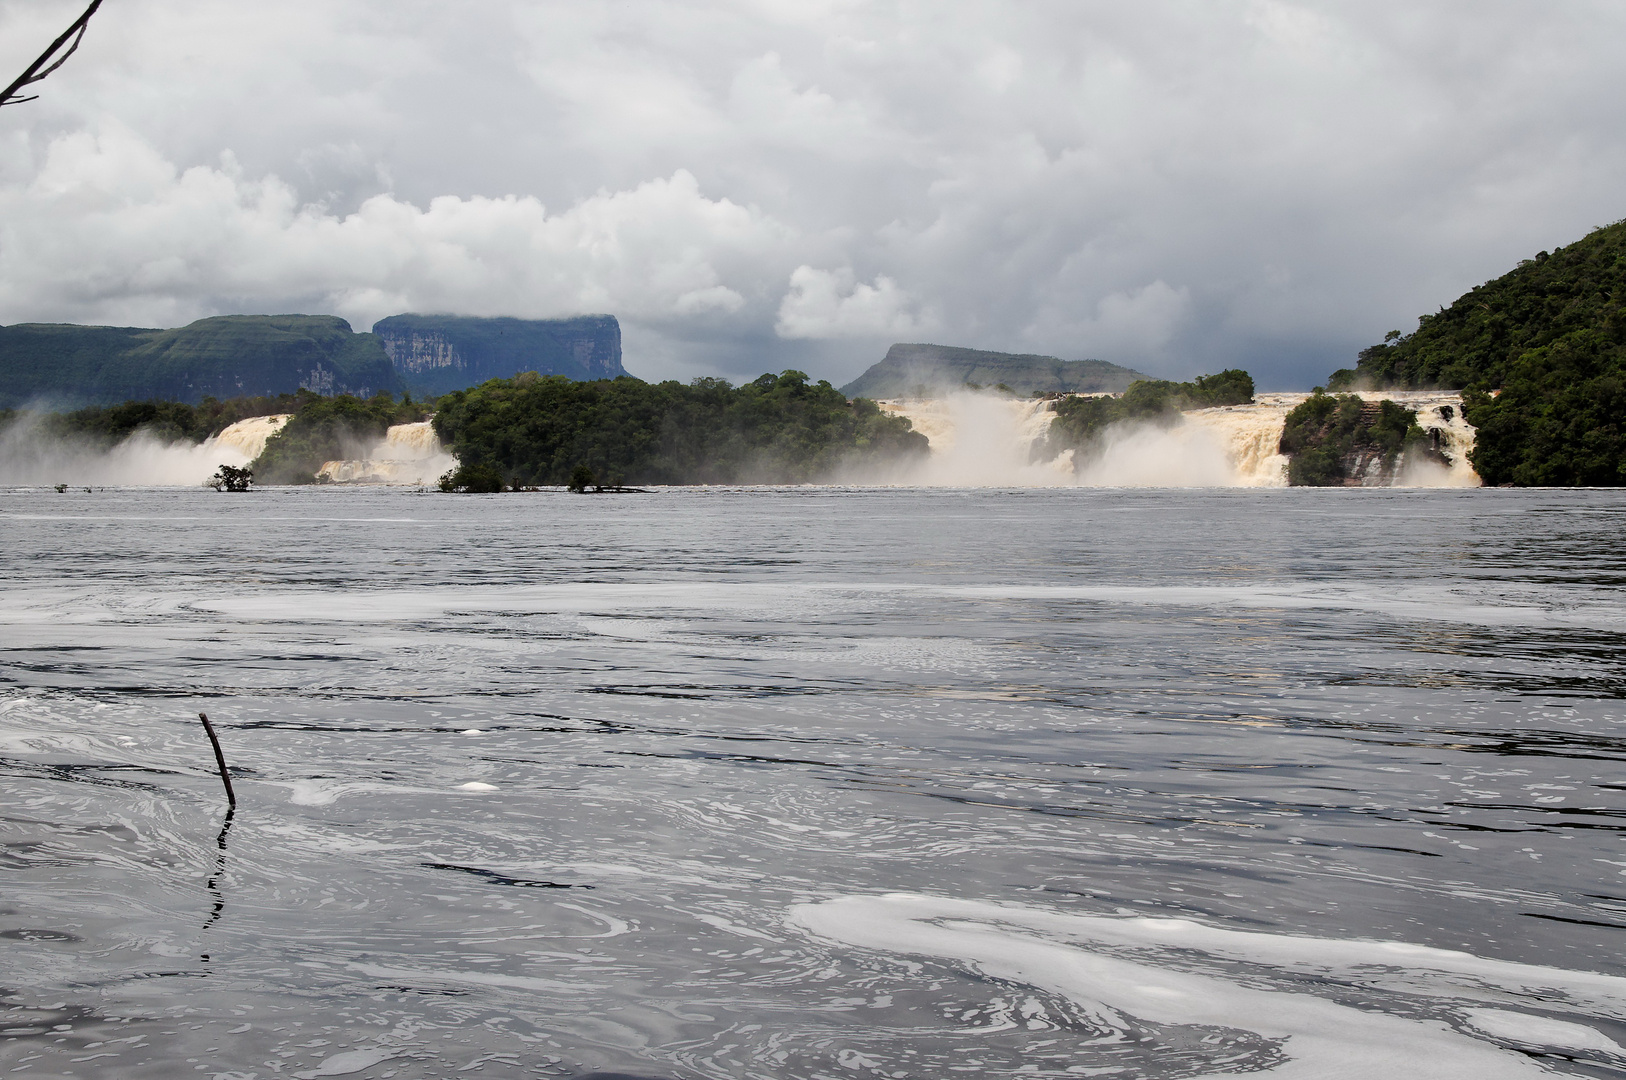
[1320,1039]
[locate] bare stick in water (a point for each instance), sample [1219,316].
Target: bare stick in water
[225,777]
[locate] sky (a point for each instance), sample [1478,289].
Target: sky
[1178,186]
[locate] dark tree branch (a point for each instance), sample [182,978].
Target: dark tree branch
[220,759]
[52,58]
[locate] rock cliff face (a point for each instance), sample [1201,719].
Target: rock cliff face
[435,354]
[908,369]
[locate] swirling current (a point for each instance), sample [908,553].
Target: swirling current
[813,783]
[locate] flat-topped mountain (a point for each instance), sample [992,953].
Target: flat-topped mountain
[435,354]
[230,356]
[909,368]
[222,357]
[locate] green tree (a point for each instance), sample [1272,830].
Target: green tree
[328,429]
[1326,433]
[1081,422]
[231,478]
[775,429]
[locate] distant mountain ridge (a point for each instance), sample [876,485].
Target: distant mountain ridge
[908,367]
[68,366]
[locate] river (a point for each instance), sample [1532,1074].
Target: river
[814,783]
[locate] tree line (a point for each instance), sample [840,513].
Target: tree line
[777,429]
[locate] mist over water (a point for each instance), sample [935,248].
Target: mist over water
[727,783]
[30,455]
[986,439]
[407,454]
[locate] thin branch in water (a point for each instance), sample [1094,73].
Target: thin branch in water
[52,58]
[220,758]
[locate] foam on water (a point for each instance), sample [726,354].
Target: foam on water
[1069,954]
[1217,783]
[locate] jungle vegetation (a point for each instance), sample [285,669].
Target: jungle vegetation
[1540,355]
[323,429]
[72,366]
[1081,421]
[776,429]
[167,421]
[1328,435]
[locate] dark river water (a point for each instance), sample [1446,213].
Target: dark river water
[814,783]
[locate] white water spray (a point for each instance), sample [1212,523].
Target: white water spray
[407,454]
[248,437]
[986,440]
[30,455]
[979,440]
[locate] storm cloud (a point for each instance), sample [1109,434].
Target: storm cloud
[757,184]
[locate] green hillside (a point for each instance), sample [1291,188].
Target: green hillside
[906,370]
[60,365]
[1550,337]
[223,357]
[1478,339]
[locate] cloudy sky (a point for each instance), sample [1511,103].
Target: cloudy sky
[752,185]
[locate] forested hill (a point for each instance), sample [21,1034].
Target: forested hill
[63,366]
[908,370]
[1540,355]
[1478,340]
[223,357]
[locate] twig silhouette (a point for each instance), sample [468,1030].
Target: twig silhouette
[220,758]
[52,58]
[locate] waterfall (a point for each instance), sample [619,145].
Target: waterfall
[246,437]
[978,440]
[1250,435]
[407,454]
[411,442]
[31,454]
[986,440]
[1440,415]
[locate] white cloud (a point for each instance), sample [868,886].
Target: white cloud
[830,304]
[1299,176]
[1139,322]
[109,230]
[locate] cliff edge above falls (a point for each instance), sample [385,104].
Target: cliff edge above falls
[435,354]
[919,370]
